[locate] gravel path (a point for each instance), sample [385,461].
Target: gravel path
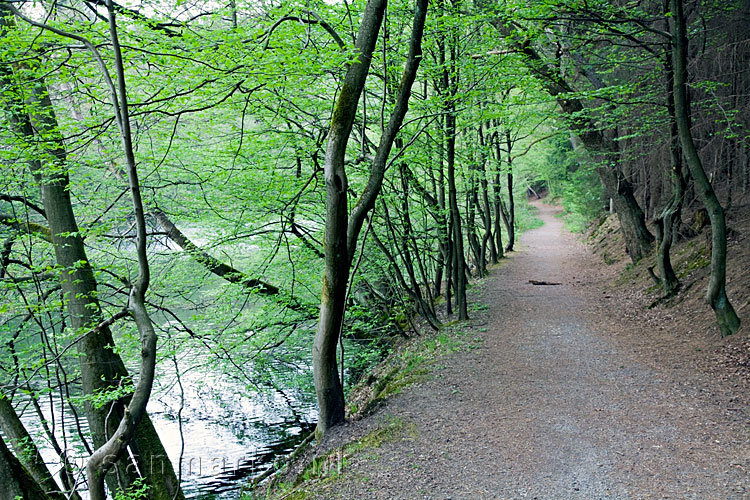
[560,401]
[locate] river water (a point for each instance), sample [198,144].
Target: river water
[228,438]
[218,442]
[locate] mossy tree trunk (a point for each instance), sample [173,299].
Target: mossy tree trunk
[716,294]
[342,229]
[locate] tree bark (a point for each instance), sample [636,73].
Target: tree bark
[716,294]
[342,229]
[511,217]
[668,221]
[499,209]
[449,84]
[15,480]
[15,432]
[488,242]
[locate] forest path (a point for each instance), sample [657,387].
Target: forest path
[559,401]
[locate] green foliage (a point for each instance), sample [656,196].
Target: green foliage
[582,197]
[103,397]
[138,490]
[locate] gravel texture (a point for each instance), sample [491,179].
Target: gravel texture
[563,399]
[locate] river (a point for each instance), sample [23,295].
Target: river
[218,442]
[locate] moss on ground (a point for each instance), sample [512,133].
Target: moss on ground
[329,467]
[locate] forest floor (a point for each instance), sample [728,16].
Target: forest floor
[555,392]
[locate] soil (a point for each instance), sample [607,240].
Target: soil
[576,391]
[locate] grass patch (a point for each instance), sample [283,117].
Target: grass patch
[329,467]
[697,260]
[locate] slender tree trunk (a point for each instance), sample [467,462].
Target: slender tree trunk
[134,418]
[716,294]
[488,242]
[443,235]
[405,239]
[328,386]
[471,224]
[342,229]
[459,264]
[500,214]
[668,222]
[511,218]
[449,84]
[479,246]
[233,12]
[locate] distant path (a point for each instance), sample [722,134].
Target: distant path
[556,404]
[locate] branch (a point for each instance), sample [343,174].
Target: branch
[532,143]
[212,264]
[318,20]
[377,170]
[134,14]
[27,227]
[25,201]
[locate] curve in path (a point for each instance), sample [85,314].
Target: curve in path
[555,404]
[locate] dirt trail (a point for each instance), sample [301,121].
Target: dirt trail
[560,401]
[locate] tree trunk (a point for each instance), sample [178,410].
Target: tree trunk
[501,214]
[211,263]
[668,221]
[638,239]
[449,84]
[328,386]
[511,218]
[443,235]
[471,224]
[342,232]
[487,240]
[716,294]
[26,449]
[459,264]
[15,480]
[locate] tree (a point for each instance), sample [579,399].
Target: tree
[102,370]
[716,294]
[342,229]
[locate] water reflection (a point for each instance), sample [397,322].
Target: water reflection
[228,438]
